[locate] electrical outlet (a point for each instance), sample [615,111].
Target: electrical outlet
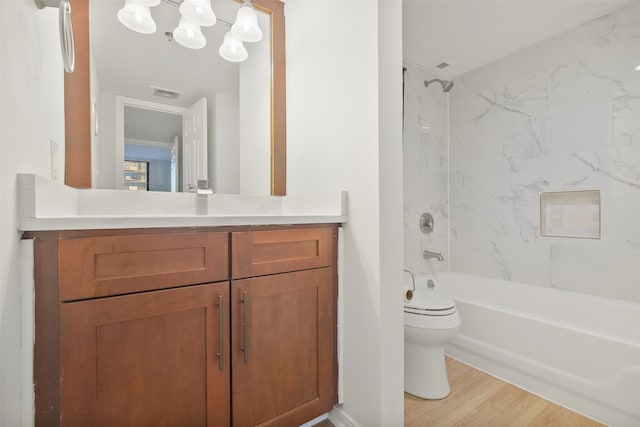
[55,160]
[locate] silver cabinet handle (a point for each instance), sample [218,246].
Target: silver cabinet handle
[221,332]
[245,326]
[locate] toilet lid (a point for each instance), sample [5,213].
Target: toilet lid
[430,303]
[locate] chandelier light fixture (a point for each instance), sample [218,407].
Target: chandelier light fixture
[194,14]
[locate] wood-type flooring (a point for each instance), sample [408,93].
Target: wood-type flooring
[480,400]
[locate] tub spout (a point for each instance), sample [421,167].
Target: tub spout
[429,255]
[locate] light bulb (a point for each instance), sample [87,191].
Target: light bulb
[232,49]
[638,67]
[137,17]
[189,35]
[246,26]
[198,12]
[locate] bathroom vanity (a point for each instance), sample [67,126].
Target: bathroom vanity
[174,318]
[185,326]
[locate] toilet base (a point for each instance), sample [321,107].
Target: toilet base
[425,373]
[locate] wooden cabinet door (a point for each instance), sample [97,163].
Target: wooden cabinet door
[148,359]
[283,354]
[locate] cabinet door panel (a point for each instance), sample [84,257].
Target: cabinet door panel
[259,253]
[286,376]
[146,359]
[90,267]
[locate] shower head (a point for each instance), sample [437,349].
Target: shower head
[446,84]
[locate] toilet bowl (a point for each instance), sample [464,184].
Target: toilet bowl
[430,321]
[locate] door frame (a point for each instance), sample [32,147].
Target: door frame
[125,101]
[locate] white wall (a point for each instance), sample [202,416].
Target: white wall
[344,132]
[255,115]
[562,114]
[107,137]
[224,157]
[425,171]
[390,208]
[32,113]
[96,162]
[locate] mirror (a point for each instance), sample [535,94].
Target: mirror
[81,166]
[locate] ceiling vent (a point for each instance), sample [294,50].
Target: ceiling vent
[166,93]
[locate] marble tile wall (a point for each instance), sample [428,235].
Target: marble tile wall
[563,114]
[426,171]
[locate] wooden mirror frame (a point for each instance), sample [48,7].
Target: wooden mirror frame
[77,99]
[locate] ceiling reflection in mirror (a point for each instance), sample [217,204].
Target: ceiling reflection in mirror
[131,71]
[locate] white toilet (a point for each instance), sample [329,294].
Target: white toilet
[430,321]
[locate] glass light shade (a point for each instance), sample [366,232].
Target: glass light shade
[246,26]
[137,17]
[189,35]
[199,12]
[232,49]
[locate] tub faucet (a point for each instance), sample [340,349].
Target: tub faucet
[429,255]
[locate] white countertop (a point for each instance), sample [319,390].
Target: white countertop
[46,205]
[91,222]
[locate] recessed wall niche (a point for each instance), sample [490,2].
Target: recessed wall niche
[574,213]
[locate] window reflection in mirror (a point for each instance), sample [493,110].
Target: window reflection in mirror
[130,69]
[136,176]
[152,138]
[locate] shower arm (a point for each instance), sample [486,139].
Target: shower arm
[446,84]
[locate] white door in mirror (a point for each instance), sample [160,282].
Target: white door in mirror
[194,142]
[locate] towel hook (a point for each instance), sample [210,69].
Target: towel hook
[66,30]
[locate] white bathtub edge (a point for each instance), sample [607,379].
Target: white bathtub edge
[535,377]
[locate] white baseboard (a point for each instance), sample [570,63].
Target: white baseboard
[315,420]
[340,418]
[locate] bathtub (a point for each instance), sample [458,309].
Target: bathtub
[580,351]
